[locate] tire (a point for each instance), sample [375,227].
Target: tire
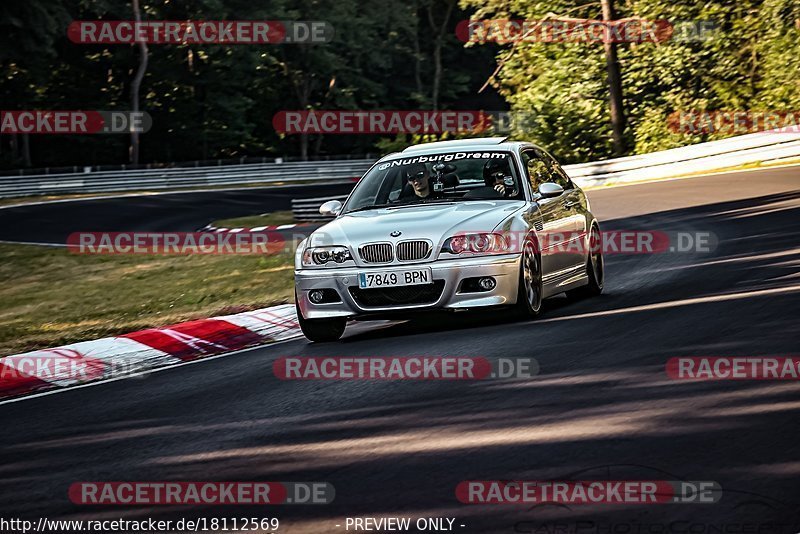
[320,330]
[595,268]
[529,294]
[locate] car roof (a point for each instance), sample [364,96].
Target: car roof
[456,143]
[479,143]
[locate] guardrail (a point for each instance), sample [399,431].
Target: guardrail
[307,209]
[216,163]
[763,147]
[182,178]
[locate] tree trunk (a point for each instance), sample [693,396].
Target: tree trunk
[439,33]
[437,74]
[417,55]
[303,91]
[304,147]
[135,86]
[13,145]
[26,150]
[615,85]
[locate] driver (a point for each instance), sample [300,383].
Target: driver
[494,174]
[419,178]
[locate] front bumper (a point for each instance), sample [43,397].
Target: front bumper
[503,268]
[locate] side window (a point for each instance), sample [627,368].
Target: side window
[564,176]
[538,171]
[557,173]
[391,186]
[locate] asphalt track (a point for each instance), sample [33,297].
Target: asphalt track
[53,222]
[602,407]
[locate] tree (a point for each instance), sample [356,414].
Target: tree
[136,84]
[743,64]
[28,33]
[217,101]
[614,84]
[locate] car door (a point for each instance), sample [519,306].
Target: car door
[556,223]
[573,202]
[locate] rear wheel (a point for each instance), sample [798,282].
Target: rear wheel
[529,296]
[320,330]
[595,268]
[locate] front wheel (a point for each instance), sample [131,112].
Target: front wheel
[595,268]
[529,296]
[320,330]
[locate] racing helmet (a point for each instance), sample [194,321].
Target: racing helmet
[494,168]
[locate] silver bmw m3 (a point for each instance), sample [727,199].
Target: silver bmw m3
[451,225]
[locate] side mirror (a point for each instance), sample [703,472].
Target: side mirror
[550,190]
[331,208]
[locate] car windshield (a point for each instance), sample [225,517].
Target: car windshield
[444,177]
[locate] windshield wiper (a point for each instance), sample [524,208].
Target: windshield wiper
[438,200]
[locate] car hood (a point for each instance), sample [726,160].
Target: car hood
[435,222]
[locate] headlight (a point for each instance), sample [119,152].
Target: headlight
[325,255]
[477,244]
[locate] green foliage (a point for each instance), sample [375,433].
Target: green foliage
[217,101]
[749,62]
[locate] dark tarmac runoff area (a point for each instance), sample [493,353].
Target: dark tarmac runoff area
[53,222]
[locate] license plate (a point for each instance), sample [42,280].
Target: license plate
[406,277]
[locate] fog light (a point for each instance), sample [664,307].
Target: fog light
[316,296]
[487,283]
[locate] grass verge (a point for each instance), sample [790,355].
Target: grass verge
[50,296]
[254,221]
